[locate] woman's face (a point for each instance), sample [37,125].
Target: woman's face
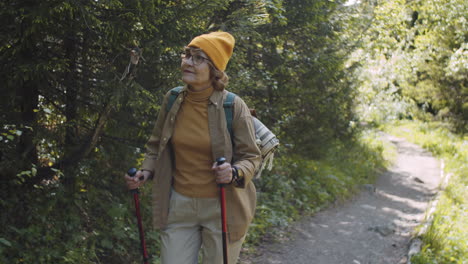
[195,69]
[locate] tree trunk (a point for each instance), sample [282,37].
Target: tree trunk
[72,140]
[28,101]
[28,98]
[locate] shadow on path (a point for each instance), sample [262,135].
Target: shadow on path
[373,228]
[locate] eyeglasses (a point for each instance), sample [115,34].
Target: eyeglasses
[197,59]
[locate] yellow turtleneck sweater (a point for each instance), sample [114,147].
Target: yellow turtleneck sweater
[192,147]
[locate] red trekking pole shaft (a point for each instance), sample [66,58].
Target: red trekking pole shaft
[222,198]
[135,192]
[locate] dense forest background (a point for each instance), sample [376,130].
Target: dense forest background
[76,112]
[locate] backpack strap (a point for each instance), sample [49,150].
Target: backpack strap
[172,97]
[229,111]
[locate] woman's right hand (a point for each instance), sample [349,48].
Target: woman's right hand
[135,182]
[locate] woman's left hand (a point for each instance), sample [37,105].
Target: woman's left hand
[223,173]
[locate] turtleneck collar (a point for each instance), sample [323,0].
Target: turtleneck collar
[199,96]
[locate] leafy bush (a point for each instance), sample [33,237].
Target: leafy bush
[97,225]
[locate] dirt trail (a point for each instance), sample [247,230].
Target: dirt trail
[373,228]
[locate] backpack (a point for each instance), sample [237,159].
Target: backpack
[266,141]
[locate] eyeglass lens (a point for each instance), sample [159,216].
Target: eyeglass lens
[196,58]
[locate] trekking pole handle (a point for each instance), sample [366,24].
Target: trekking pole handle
[220,161]
[132,172]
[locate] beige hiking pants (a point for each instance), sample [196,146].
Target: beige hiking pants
[194,224]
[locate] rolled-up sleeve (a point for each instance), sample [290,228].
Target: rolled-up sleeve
[247,155]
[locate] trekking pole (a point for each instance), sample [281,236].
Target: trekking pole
[131,172]
[222,198]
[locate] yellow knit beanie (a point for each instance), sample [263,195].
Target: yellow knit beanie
[217,45]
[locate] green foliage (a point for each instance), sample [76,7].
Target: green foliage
[93,226]
[414,60]
[445,240]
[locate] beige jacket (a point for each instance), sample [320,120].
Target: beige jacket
[240,200]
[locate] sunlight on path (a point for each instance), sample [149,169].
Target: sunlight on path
[375,227]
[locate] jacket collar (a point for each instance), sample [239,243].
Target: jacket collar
[217,98]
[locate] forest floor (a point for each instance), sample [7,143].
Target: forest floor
[374,227]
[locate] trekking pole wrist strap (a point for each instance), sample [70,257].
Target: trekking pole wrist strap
[150,177]
[235,174]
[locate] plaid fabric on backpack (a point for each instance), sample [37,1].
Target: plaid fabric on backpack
[266,141]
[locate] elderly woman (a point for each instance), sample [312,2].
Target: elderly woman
[181,153]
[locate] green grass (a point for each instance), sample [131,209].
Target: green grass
[446,239]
